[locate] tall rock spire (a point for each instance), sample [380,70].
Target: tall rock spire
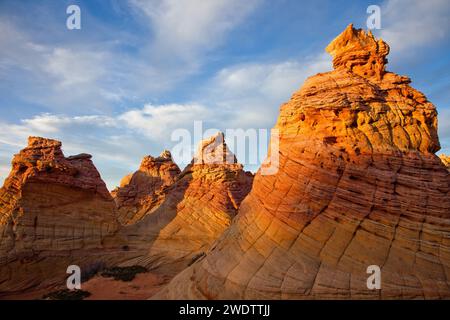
[190,214]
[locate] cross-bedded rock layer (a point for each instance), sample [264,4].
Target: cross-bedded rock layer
[54,212]
[144,186]
[358,184]
[180,224]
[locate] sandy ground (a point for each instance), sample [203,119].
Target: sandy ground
[143,286]
[29,295]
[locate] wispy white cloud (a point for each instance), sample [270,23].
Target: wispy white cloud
[48,123]
[158,121]
[240,96]
[117,142]
[92,75]
[275,80]
[248,95]
[56,76]
[187,28]
[410,24]
[71,67]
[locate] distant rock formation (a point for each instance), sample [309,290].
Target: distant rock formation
[144,185]
[214,150]
[358,184]
[54,212]
[193,212]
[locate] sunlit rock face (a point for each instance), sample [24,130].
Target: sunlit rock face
[445,160]
[144,186]
[178,225]
[54,212]
[358,184]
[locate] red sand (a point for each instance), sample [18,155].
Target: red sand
[143,286]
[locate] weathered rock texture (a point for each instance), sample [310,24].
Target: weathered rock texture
[144,186]
[54,211]
[445,160]
[189,215]
[359,184]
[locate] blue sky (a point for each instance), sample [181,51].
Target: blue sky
[137,70]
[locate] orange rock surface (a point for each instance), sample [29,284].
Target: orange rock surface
[445,160]
[54,212]
[192,213]
[358,184]
[144,185]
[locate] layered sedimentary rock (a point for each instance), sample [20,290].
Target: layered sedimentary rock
[193,212]
[144,185]
[445,160]
[54,211]
[358,184]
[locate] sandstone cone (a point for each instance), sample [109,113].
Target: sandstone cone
[191,213]
[144,185]
[358,184]
[54,211]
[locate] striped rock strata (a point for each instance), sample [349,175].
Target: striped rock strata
[358,184]
[144,185]
[54,212]
[189,215]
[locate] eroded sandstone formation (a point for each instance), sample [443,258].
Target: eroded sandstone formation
[144,185]
[358,184]
[189,215]
[54,212]
[445,160]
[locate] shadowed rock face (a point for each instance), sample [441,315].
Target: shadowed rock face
[54,211]
[144,185]
[189,215]
[358,185]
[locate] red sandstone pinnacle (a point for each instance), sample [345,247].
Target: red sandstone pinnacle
[359,52]
[214,151]
[144,185]
[176,227]
[358,184]
[54,211]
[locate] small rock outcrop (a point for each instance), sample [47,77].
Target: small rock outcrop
[144,185]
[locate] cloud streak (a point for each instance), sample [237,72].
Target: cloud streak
[189,28]
[117,143]
[410,24]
